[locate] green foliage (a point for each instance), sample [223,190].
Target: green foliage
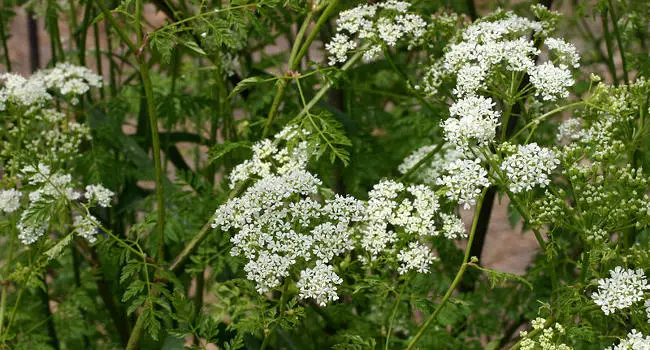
[221,86]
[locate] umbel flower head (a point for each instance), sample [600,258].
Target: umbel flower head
[281,222]
[465,181]
[10,200]
[502,43]
[51,190]
[529,167]
[621,290]
[635,341]
[378,25]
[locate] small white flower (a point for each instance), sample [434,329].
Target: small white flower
[538,323]
[472,118]
[569,130]
[319,283]
[84,227]
[338,48]
[567,52]
[529,167]
[399,6]
[10,200]
[452,227]
[551,82]
[417,257]
[99,194]
[622,289]
[464,181]
[28,231]
[635,341]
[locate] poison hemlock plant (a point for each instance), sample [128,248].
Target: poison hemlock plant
[199,188]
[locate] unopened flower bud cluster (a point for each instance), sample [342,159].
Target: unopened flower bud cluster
[548,337]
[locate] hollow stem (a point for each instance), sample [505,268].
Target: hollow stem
[457,279]
[295,57]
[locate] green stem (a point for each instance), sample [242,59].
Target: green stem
[323,90]
[546,115]
[136,333]
[619,40]
[189,248]
[3,37]
[398,299]
[457,279]
[119,29]
[294,58]
[283,302]
[312,35]
[610,50]
[421,162]
[98,54]
[155,140]
[5,284]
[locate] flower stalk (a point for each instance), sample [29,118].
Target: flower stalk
[457,279]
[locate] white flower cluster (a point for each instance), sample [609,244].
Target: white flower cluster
[385,213]
[621,290]
[529,167]
[488,44]
[69,80]
[453,227]
[10,200]
[429,172]
[268,155]
[569,130]
[399,216]
[21,93]
[382,24]
[551,81]
[66,79]
[635,341]
[566,52]
[51,188]
[99,194]
[464,181]
[504,43]
[280,221]
[85,227]
[319,283]
[51,137]
[472,118]
[546,339]
[417,257]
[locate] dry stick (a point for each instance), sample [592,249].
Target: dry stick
[457,279]
[295,60]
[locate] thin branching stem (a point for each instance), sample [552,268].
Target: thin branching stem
[457,279]
[294,58]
